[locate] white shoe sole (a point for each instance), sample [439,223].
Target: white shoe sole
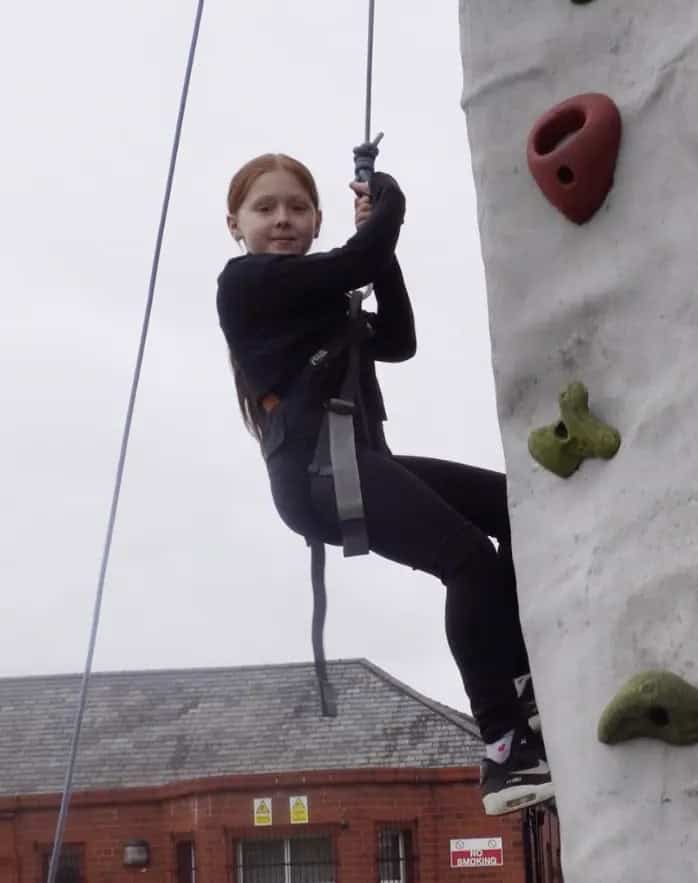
[517,798]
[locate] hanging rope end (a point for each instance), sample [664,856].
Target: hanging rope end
[328,698]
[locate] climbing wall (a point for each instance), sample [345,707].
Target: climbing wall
[593,301]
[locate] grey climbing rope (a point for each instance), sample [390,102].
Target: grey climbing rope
[369,67]
[365,154]
[67,788]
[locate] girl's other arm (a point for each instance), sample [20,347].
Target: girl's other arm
[395,339]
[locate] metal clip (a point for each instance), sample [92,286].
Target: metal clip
[318,358]
[340,406]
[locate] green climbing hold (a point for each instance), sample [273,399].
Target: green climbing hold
[654,705]
[578,435]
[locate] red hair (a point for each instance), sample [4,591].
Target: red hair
[245,177]
[242,180]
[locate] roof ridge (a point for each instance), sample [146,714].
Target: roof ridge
[459,718]
[163,671]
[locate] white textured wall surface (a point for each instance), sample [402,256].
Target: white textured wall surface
[607,560]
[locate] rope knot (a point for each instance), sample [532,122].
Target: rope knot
[365,158]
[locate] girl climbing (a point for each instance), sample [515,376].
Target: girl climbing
[279,307]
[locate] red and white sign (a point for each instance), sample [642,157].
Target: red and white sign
[484,852]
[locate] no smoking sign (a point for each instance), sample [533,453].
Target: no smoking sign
[481,852]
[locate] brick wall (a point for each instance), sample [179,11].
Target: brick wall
[436,805]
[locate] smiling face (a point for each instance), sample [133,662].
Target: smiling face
[277,215]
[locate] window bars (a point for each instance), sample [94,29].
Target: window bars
[185,859]
[306,858]
[396,860]
[71,866]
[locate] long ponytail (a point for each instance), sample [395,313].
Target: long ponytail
[251,410]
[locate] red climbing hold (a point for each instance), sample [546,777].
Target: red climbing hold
[572,153]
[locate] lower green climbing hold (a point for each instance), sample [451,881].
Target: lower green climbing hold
[653,705]
[578,435]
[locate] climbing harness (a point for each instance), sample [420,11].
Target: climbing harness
[335,452]
[67,788]
[335,460]
[334,474]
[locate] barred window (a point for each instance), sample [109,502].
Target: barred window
[71,865]
[395,858]
[185,854]
[302,859]
[542,845]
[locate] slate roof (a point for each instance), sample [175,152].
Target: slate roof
[145,728]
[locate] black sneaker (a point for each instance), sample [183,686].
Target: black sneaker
[527,700]
[522,781]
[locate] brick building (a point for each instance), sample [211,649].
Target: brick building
[222,775]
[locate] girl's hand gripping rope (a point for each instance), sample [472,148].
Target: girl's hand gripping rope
[364,165]
[362,203]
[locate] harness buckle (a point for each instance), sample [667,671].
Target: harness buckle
[319,357]
[340,406]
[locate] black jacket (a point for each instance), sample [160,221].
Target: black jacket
[276,311]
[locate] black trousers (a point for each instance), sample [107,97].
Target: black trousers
[435,516]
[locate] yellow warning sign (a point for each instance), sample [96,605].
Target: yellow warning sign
[299,810]
[262,810]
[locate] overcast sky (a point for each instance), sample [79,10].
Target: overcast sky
[203,572]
